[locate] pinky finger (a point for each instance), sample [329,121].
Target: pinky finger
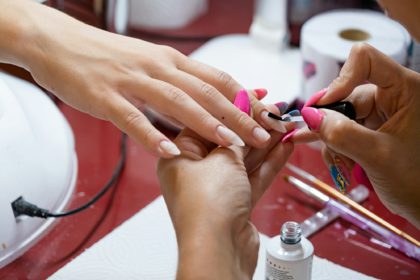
[132,121]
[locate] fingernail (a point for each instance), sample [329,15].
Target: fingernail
[282,106]
[342,169]
[242,101]
[314,98]
[261,93]
[274,124]
[294,113]
[261,135]
[360,176]
[338,179]
[289,135]
[229,136]
[313,117]
[169,148]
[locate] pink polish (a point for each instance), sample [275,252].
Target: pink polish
[242,101]
[289,135]
[361,177]
[313,117]
[314,98]
[261,93]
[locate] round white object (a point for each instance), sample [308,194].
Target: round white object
[38,161]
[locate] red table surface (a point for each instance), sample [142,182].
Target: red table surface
[97,146]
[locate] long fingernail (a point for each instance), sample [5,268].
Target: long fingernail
[289,135]
[261,135]
[242,101]
[314,98]
[282,106]
[313,117]
[261,93]
[338,179]
[342,168]
[169,148]
[274,124]
[360,176]
[228,135]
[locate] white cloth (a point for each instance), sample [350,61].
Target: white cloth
[144,247]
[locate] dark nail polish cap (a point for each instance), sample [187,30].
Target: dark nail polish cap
[344,107]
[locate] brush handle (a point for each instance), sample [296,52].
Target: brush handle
[397,242]
[325,216]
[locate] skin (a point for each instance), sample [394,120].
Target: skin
[210,193]
[406,12]
[385,137]
[110,76]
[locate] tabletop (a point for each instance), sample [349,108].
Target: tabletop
[97,147]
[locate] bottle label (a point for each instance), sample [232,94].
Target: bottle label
[288,270]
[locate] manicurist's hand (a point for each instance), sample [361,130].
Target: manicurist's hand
[386,136]
[210,192]
[111,76]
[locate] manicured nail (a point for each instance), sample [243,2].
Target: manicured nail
[282,106]
[169,148]
[314,98]
[338,179]
[360,176]
[260,134]
[242,102]
[229,136]
[294,113]
[313,117]
[342,168]
[261,93]
[289,135]
[274,124]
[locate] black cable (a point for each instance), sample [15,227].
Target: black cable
[22,207]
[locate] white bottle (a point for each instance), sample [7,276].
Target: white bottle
[289,255]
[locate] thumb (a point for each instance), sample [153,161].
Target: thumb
[346,136]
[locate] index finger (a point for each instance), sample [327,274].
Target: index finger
[365,63]
[226,85]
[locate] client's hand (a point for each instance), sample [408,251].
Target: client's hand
[210,192]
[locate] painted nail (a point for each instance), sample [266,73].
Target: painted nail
[337,177]
[229,136]
[260,134]
[313,117]
[289,135]
[282,106]
[274,124]
[360,176]
[342,168]
[169,148]
[294,113]
[261,93]
[242,101]
[314,98]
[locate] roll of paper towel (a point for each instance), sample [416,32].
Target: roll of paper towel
[327,40]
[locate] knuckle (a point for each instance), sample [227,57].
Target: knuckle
[206,120]
[225,78]
[132,119]
[148,136]
[176,96]
[242,119]
[337,133]
[361,49]
[209,92]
